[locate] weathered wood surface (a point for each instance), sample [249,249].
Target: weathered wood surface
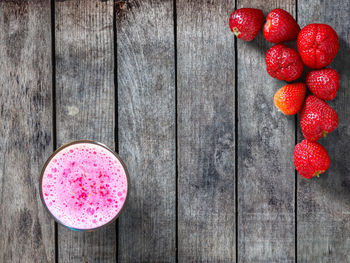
[85,104]
[324,203]
[206,131]
[200,218]
[146,129]
[26,230]
[266,138]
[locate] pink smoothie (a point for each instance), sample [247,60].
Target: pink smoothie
[84,186]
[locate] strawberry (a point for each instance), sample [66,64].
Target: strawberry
[290,98]
[310,159]
[317,45]
[246,23]
[324,83]
[280,26]
[317,118]
[283,63]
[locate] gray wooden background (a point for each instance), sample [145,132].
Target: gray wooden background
[190,110]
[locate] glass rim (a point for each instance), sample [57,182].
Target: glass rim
[78,142]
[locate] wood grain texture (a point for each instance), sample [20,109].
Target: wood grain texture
[266,138]
[206,125]
[324,203]
[146,128]
[26,229]
[85,104]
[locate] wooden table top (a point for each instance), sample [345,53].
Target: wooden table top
[190,110]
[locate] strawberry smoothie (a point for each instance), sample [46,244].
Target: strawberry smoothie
[84,185]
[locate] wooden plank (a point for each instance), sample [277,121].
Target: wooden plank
[27,231]
[323,203]
[206,125]
[146,126]
[266,138]
[85,104]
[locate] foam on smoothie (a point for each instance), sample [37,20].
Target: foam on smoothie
[84,186]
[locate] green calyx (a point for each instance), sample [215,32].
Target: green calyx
[324,134]
[236,31]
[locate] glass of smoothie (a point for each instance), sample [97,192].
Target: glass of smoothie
[84,185]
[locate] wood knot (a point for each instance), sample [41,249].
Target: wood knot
[121,5]
[124,6]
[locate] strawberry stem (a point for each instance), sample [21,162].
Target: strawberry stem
[324,134]
[236,31]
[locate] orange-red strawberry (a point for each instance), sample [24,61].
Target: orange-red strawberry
[317,45]
[246,23]
[280,26]
[310,159]
[317,118]
[283,63]
[290,98]
[324,83]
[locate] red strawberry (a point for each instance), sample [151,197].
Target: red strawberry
[324,83]
[310,159]
[317,45]
[280,26]
[283,63]
[317,118]
[290,98]
[246,23]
